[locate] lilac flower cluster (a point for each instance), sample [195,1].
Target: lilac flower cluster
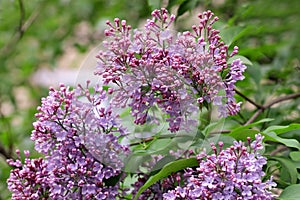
[180,74]
[28,180]
[233,173]
[79,137]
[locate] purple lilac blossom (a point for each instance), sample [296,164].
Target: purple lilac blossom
[180,73]
[79,139]
[28,180]
[232,173]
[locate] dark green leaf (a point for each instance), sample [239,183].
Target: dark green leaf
[295,155]
[288,142]
[242,132]
[215,126]
[187,5]
[287,167]
[112,181]
[282,129]
[172,3]
[292,192]
[166,171]
[242,58]
[228,34]
[162,162]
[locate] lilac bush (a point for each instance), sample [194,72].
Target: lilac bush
[154,72]
[232,173]
[29,180]
[79,139]
[180,73]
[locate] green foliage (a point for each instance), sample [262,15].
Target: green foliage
[242,132]
[295,155]
[291,193]
[168,169]
[272,134]
[288,171]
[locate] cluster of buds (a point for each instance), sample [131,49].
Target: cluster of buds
[177,73]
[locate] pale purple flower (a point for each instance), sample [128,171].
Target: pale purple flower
[79,138]
[178,73]
[233,173]
[29,179]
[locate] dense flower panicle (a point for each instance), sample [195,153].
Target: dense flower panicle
[28,180]
[232,173]
[178,73]
[79,137]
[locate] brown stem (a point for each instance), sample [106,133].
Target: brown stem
[4,153]
[22,18]
[278,150]
[23,26]
[280,99]
[248,99]
[268,105]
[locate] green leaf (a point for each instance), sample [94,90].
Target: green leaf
[287,142]
[254,124]
[292,192]
[287,167]
[125,113]
[282,129]
[112,181]
[245,60]
[242,132]
[297,164]
[228,34]
[187,5]
[161,163]
[160,144]
[166,171]
[215,126]
[134,161]
[295,155]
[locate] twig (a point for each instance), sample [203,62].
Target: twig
[278,150]
[22,18]
[222,132]
[280,99]
[23,26]
[4,153]
[268,105]
[248,99]
[149,139]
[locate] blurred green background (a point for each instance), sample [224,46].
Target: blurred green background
[43,42]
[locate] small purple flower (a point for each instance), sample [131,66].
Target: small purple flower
[232,173]
[179,74]
[29,179]
[79,138]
